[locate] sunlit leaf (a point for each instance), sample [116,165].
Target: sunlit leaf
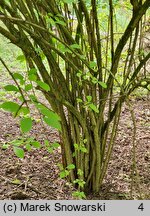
[92,64]
[32,77]
[10,106]
[32,71]
[79,194]
[80,172]
[19,152]
[24,110]
[89,98]
[75,46]
[55,145]
[26,124]
[16,142]
[102,84]
[36,144]
[83,149]
[18,76]
[46,142]
[76,146]
[60,22]
[64,49]
[28,146]
[33,98]
[71,167]
[16,181]
[21,58]
[11,88]
[69,1]
[43,85]
[50,149]
[79,100]
[28,87]
[62,174]
[94,108]
[5,146]
[94,80]
[53,122]
[49,113]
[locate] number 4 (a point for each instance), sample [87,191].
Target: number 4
[141,207]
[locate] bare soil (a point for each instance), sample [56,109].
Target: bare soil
[37,175]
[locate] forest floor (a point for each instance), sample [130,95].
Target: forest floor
[37,175]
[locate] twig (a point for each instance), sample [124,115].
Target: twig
[24,184]
[11,74]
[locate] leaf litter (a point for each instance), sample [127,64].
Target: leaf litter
[36,176]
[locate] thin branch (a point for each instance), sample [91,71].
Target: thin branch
[11,74]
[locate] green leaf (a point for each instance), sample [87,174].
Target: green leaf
[92,64]
[26,124]
[11,88]
[43,85]
[69,1]
[59,15]
[53,122]
[75,46]
[50,149]
[16,181]
[89,98]
[18,76]
[32,71]
[60,22]
[143,83]
[79,100]
[5,146]
[80,172]
[102,84]
[28,147]
[83,149]
[60,166]
[55,145]
[24,110]
[82,56]
[36,144]
[62,174]
[33,98]
[71,167]
[46,142]
[49,20]
[19,152]
[21,58]
[49,113]
[79,194]
[85,141]
[79,74]
[32,77]
[80,182]
[10,106]
[94,108]
[51,118]
[73,154]
[28,87]
[76,146]
[17,142]
[64,49]
[94,80]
